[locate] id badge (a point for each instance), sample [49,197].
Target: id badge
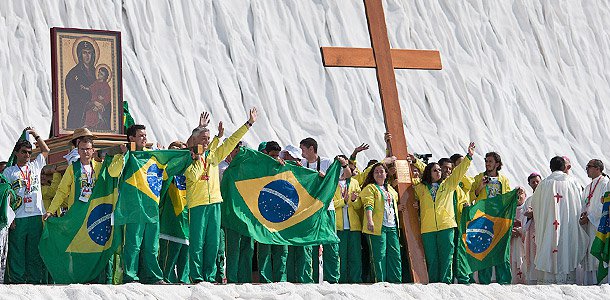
[28,204]
[85,194]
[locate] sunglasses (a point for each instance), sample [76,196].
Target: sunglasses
[25,152]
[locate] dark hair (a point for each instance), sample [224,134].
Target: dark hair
[427,176]
[272,146]
[444,160]
[558,163]
[496,157]
[22,144]
[131,131]
[532,176]
[598,164]
[310,142]
[370,176]
[85,139]
[105,71]
[371,162]
[455,157]
[85,45]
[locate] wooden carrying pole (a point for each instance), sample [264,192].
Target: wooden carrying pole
[385,60]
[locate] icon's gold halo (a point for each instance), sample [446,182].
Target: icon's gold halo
[97,70]
[96,48]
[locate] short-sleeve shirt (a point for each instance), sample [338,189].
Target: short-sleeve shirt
[22,178]
[320,166]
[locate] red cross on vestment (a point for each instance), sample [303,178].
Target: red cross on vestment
[556,223]
[555,251]
[558,197]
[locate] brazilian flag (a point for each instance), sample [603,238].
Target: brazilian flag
[7,194]
[127,118]
[601,245]
[12,160]
[173,212]
[485,230]
[145,180]
[275,204]
[76,247]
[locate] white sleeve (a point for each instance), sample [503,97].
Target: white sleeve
[39,162]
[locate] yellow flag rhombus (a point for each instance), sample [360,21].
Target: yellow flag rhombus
[278,202]
[483,233]
[95,235]
[177,193]
[146,178]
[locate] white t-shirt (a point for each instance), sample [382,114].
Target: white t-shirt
[344,189]
[320,165]
[389,215]
[31,201]
[222,167]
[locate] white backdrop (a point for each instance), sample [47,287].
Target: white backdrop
[527,78]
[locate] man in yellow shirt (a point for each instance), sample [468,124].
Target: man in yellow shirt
[79,179]
[141,240]
[487,185]
[203,199]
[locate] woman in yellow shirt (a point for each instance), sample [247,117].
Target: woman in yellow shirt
[381,225]
[437,216]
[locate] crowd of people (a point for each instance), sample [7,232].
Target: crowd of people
[550,242]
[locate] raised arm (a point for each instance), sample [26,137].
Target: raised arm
[220,153]
[458,173]
[44,149]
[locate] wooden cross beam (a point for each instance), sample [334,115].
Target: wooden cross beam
[385,60]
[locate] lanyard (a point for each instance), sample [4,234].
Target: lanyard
[205,166]
[591,192]
[27,177]
[386,195]
[317,164]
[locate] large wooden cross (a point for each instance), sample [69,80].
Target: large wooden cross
[385,60]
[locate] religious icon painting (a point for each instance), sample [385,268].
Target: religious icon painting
[87,81]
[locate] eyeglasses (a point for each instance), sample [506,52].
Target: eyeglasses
[590,166]
[85,149]
[25,152]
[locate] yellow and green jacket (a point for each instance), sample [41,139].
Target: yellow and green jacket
[354,208]
[460,198]
[66,189]
[206,192]
[483,194]
[439,214]
[466,183]
[360,177]
[372,199]
[48,191]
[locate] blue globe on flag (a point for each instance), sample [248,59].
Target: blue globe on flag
[604,222]
[479,234]
[278,201]
[98,224]
[154,176]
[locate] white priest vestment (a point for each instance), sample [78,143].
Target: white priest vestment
[592,204]
[561,242]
